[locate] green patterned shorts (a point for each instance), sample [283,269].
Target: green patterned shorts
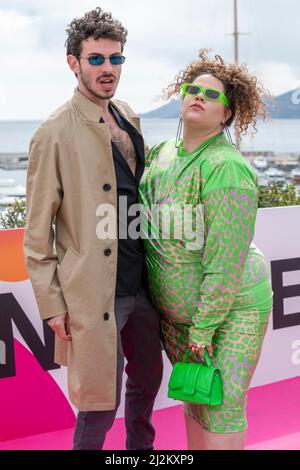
[237,346]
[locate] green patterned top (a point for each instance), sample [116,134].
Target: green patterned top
[197,283]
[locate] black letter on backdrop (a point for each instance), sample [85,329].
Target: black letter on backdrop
[11,311]
[280,320]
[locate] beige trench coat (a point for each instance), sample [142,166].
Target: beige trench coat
[71,172]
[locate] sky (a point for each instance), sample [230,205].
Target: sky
[164,36]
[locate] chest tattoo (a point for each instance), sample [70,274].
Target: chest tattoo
[122,140]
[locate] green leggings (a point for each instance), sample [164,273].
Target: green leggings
[237,345]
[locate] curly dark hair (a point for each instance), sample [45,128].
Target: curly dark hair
[243,90]
[97,24]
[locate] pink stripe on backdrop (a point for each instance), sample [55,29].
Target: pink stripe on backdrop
[45,416]
[273,417]
[32,399]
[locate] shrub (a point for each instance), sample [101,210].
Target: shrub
[278,194]
[15,215]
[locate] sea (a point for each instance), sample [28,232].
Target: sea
[279,135]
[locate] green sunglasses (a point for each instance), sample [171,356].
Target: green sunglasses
[209,93]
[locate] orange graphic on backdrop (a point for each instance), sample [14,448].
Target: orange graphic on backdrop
[12,262]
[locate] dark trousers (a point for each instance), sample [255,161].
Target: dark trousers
[139,342]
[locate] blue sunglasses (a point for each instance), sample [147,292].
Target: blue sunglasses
[99,59]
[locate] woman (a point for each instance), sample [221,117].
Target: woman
[215,294]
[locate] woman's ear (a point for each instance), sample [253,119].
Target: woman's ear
[227,115]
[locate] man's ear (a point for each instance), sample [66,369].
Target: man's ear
[73,64]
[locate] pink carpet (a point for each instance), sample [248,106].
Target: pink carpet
[273,418]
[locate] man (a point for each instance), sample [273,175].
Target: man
[87,155]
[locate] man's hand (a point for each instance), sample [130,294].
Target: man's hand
[60,326]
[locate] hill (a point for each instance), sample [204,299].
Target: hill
[280,107]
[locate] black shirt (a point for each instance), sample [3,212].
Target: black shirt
[131,257]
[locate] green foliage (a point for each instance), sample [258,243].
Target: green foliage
[278,194]
[15,216]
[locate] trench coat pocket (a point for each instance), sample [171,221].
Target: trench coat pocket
[65,273]
[66,270]
[60,351]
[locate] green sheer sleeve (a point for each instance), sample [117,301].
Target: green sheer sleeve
[229,218]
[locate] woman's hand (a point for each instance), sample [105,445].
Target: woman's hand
[199,348]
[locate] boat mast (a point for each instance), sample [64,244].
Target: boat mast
[236,34]
[236,52]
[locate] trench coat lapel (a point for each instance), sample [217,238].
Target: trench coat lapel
[90,111]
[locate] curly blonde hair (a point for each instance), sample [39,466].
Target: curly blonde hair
[243,90]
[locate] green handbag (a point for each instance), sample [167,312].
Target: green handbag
[196,382]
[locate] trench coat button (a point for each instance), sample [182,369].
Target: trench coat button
[106,316]
[107,252]
[106,187]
